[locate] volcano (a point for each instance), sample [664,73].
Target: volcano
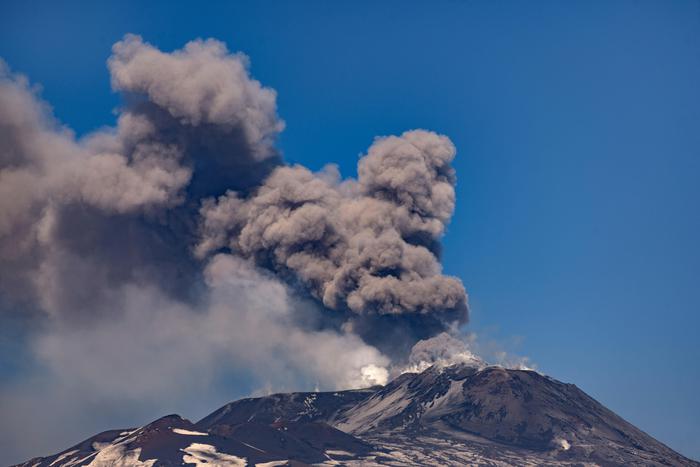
[445,415]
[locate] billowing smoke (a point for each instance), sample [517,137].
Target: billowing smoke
[357,245]
[365,247]
[176,255]
[78,218]
[443,350]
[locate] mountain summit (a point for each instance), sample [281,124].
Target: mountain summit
[454,415]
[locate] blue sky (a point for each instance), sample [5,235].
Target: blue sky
[577,126]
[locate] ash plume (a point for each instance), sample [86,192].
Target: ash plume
[179,243]
[81,216]
[362,246]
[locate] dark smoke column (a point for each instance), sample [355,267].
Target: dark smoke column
[366,248]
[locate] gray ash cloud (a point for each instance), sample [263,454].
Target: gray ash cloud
[79,217]
[181,231]
[359,245]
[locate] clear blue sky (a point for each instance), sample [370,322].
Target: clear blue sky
[578,131]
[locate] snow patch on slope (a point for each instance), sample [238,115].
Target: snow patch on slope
[445,403]
[205,455]
[118,456]
[62,457]
[181,431]
[377,408]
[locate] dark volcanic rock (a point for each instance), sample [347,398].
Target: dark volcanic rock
[301,441]
[457,415]
[522,409]
[296,406]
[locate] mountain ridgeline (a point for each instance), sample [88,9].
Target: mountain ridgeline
[454,415]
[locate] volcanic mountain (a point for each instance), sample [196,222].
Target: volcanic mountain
[446,415]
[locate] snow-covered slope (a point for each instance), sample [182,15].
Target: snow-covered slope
[457,415]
